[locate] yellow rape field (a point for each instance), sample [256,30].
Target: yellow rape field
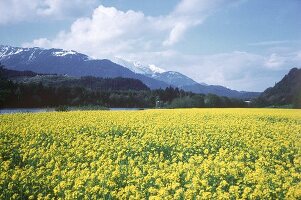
[152,154]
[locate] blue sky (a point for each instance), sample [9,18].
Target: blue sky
[241,44]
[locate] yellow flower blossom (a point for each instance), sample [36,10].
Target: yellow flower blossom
[155,154]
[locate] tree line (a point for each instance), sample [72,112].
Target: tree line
[36,95]
[110,92]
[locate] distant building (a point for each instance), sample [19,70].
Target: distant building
[159,104]
[248,102]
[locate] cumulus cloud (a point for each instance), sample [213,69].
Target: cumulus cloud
[110,32]
[14,11]
[245,70]
[275,61]
[236,70]
[106,33]
[279,61]
[175,34]
[190,13]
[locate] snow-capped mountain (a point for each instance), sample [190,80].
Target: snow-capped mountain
[72,63]
[170,77]
[35,53]
[137,66]
[181,81]
[59,61]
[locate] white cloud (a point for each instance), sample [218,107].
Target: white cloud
[278,61]
[190,13]
[242,70]
[106,33]
[175,34]
[236,70]
[274,42]
[14,11]
[131,30]
[109,32]
[274,61]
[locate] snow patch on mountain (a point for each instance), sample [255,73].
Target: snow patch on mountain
[137,66]
[156,69]
[170,77]
[150,70]
[31,57]
[8,51]
[64,53]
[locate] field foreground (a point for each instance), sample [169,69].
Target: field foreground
[155,154]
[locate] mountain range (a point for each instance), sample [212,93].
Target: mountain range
[171,77]
[58,61]
[72,63]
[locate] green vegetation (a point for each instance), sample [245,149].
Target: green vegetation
[27,89]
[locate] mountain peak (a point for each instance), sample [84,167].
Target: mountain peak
[286,90]
[156,69]
[171,77]
[293,71]
[69,62]
[137,66]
